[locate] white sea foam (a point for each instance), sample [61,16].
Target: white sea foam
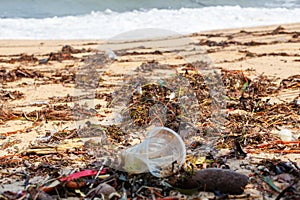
[102,25]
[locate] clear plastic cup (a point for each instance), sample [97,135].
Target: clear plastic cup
[162,152]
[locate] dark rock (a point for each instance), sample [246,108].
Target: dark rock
[215,180]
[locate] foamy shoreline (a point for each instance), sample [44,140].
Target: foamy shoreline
[106,24]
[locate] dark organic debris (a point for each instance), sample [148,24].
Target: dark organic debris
[65,54]
[291,82]
[15,74]
[61,112]
[7,114]
[212,43]
[21,58]
[214,180]
[157,103]
[150,66]
[10,95]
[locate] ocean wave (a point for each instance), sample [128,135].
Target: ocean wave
[105,24]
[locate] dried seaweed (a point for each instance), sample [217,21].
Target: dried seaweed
[65,54]
[7,114]
[18,73]
[10,95]
[21,58]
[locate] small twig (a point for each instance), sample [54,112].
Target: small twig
[70,136]
[296,151]
[151,189]
[269,182]
[27,118]
[99,171]
[24,74]
[58,197]
[36,196]
[281,194]
[157,117]
[22,197]
[11,96]
[37,116]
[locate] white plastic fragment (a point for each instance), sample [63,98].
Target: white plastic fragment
[285,135]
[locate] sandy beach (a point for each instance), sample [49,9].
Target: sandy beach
[38,82]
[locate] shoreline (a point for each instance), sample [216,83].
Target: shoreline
[43,46]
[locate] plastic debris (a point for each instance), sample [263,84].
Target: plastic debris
[159,153]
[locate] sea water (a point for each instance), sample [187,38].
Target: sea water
[102,19]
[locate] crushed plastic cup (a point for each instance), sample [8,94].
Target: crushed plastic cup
[159,153]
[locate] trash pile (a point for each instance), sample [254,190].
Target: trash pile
[167,163]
